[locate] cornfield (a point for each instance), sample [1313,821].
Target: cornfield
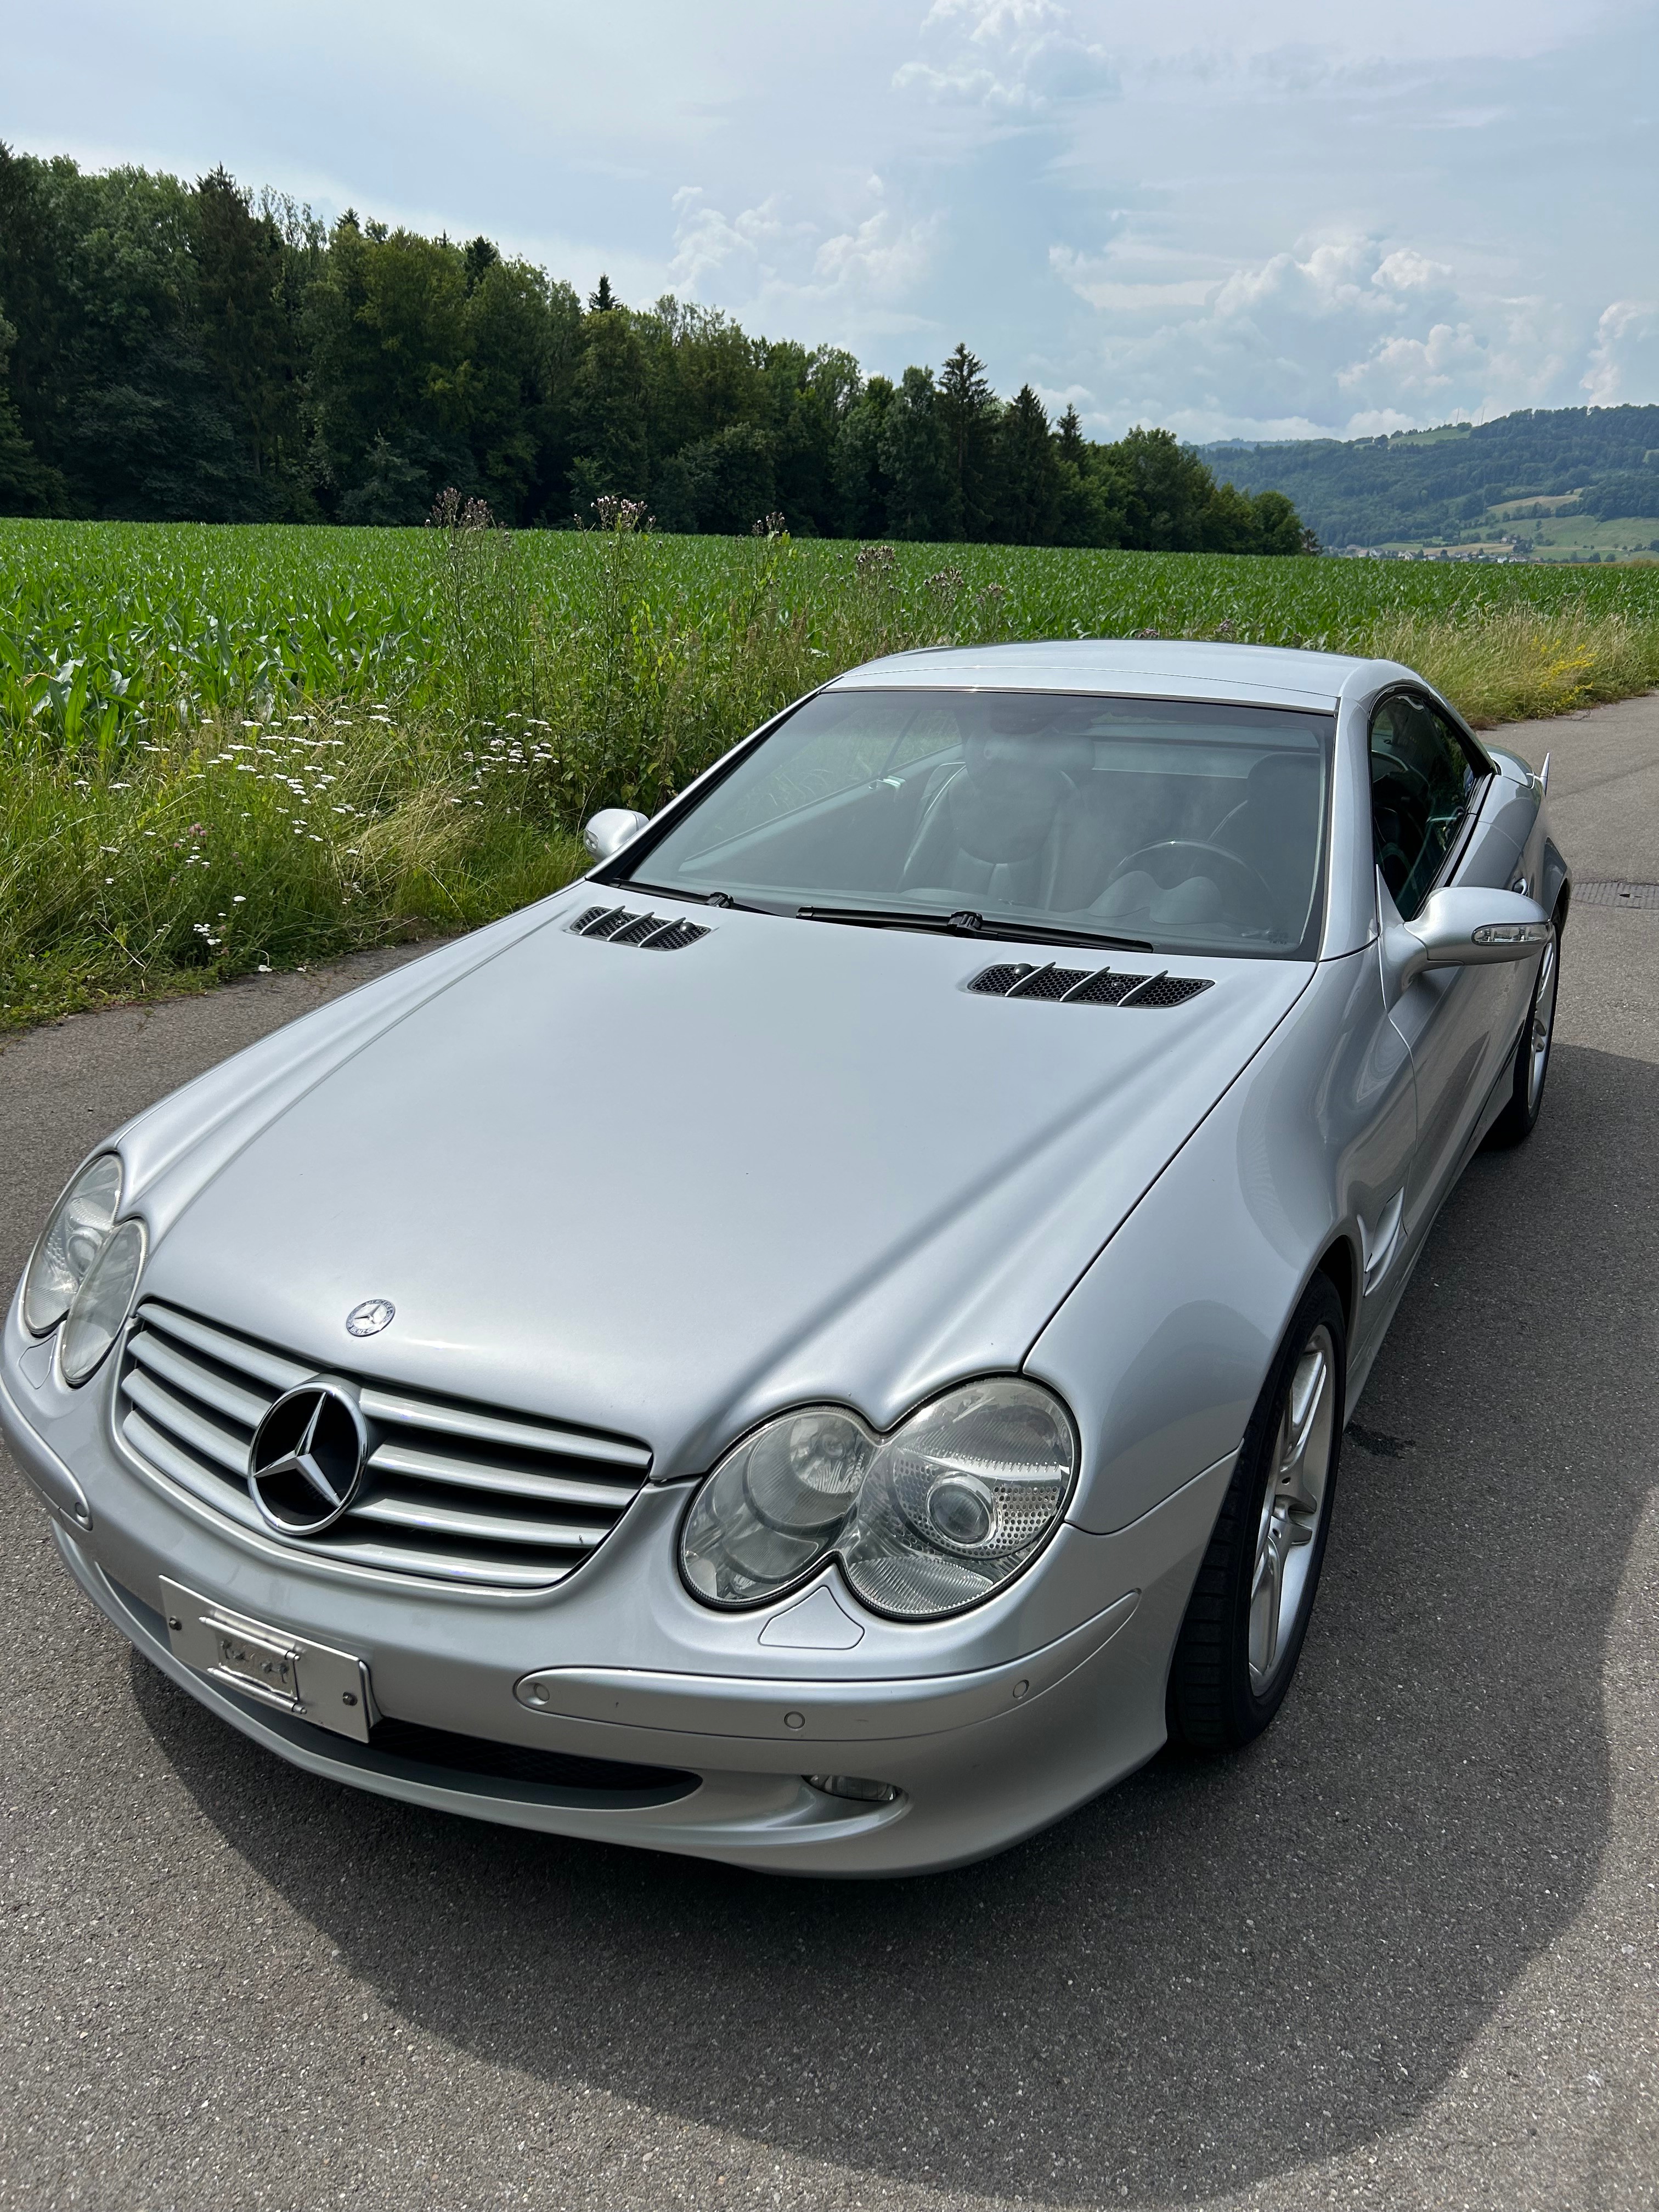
[228,749]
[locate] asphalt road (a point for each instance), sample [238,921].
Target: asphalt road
[1404,1953]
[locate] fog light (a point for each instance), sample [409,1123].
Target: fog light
[854,1785]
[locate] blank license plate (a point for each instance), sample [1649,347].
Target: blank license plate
[311,1681]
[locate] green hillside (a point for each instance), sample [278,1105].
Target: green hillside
[1569,480]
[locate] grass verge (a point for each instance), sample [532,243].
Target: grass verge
[253,847]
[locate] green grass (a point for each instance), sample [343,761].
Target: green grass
[229,749]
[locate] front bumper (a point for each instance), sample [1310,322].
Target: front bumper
[988,1726]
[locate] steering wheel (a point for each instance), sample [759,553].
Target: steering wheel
[1155,859]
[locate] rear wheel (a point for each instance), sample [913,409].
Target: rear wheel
[1532,1055]
[1249,1612]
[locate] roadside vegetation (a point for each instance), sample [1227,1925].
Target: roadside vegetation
[229,749]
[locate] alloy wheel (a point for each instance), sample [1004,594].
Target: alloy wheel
[1543,1024]
[1292,1506]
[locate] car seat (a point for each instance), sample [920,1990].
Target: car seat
[989,835]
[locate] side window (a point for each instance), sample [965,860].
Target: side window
[1423,786]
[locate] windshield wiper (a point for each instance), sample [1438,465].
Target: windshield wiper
[966,923]
[702,898]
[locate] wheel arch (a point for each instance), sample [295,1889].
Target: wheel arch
[1339,1263]
[1555,888]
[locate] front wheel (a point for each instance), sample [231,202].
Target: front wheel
[1249,1612]
[1532,1055]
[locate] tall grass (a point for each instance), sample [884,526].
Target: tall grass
[227,749]
[1518,662]
[245,845]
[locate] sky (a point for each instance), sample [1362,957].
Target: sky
[1303,218]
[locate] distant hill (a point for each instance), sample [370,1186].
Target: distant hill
[1463,481]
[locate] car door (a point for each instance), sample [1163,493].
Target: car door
[1428,786]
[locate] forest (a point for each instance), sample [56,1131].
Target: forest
[1418,485]
[179,352]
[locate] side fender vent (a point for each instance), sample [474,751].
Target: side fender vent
[1087,986]
[624,925]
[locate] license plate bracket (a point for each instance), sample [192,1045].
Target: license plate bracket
[312,1681]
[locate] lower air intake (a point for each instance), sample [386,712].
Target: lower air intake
[480,1758]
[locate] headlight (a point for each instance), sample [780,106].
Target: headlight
[101,1303]
[932,1518]
[73,1238]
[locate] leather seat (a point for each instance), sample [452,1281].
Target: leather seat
[1276,824]
[989,836]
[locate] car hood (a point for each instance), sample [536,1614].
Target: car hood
[662,1192]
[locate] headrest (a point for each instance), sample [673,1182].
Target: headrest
[1285,782]
[1003,805]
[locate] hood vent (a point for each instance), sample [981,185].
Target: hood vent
[624,925]
[1087,986]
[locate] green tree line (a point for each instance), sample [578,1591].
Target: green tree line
[180,352]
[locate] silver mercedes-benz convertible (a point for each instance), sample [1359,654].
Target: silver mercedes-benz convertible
[826,1342]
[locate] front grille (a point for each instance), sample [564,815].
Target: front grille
[625,925]
[451,1492]
[1086,986]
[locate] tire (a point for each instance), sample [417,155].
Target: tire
[1532,1054]
[1236,1654]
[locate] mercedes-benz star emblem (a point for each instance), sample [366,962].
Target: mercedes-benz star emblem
[371,1317]
[306,1459]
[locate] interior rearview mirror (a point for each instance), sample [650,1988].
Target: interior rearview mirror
[609,830]
[1463,928]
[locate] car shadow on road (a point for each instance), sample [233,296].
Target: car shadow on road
[1215,1972]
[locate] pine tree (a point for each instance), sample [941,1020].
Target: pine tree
[26,488]
[611,430]
[915,453]
[1031,473]
[246,332]
[967,411]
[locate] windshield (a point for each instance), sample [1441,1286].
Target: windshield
[1186,826]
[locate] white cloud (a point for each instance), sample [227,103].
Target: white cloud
[1334,281]
[1421,368]
[1404,271]
[881,256]
[1379,422]
[1360,31]
[1349,333]
[1624,362]
[1100,281]
[1009,56]
[760,262]
[1287,220]
[707,244]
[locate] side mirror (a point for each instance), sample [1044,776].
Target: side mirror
[1463,929]
[609,830]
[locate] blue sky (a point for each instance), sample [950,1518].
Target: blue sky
[1307,217]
